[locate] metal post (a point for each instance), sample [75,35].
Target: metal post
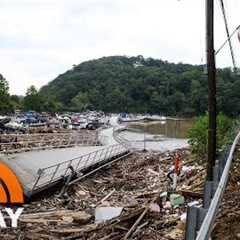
[79,161]
[105,156]
[86,161]
[144,137]
[70,163]
[40,173]
[56,169]
[211,69]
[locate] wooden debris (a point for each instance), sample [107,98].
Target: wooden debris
[110,194]
[187,193]
[133,228]
[47,217]
[132,184]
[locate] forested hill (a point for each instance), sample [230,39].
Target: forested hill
[137,84]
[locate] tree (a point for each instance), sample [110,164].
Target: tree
[115,84]
[5,103]
[16,101]
[33,100]
[80,102]
[198,134]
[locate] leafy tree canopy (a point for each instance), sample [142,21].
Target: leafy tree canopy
[147,85]
[5,101]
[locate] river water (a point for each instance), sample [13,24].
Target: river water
[169,134]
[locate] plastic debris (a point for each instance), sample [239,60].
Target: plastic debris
[106,213]
[176,199]
[154,207]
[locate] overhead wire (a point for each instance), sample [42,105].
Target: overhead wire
[228,35]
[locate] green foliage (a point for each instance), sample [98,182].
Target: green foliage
[50,105]
[16,102]
[33,101]
[130,84]
[5,101]
[136,84]
[198,134]
[80,102]
[37,102]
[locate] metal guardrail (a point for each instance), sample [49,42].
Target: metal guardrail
[121,140]
[133,145]
[26,142]
[54,173]
[200,221]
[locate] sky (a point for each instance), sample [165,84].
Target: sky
[40,39]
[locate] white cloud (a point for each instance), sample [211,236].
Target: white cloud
[40,39]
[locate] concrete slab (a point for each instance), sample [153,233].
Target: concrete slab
[27,164]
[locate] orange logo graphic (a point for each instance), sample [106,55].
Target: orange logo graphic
[10,188]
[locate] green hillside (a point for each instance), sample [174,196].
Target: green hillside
[137,84]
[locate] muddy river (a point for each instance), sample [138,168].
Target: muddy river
[162,135]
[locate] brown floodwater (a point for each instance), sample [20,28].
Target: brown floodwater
[172,128]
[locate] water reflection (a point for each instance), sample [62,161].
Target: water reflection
[171,128]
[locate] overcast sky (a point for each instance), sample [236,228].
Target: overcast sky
[40,39]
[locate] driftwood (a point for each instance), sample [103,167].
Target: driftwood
[67,231]
[109,195]
[133,228]
[187,193]
[61,216]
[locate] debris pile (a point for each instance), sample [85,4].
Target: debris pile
[130,199]
[33,122]
[19,142]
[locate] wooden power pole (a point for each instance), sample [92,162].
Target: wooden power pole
[211,70]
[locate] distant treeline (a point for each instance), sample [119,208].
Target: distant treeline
[136,84]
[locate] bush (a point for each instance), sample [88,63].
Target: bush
[198,134]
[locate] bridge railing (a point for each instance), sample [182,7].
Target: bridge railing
[121,140]
[26,142]
[200,220]
[48,175]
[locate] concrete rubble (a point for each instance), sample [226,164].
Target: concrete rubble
[139,201]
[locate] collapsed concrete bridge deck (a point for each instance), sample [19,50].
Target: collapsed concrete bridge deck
[38,169]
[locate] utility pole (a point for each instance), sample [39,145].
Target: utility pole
[211,70]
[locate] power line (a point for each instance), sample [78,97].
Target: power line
[238,28]
[228,34]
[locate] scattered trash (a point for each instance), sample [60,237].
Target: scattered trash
[183,217]
[163,197]
[33,121]
[167,205]
[194,203]
[154,207]
[176,199]
[94,208]
[105,213]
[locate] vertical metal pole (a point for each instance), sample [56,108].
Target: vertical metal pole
[144,140]
[211,69]
[56,169]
